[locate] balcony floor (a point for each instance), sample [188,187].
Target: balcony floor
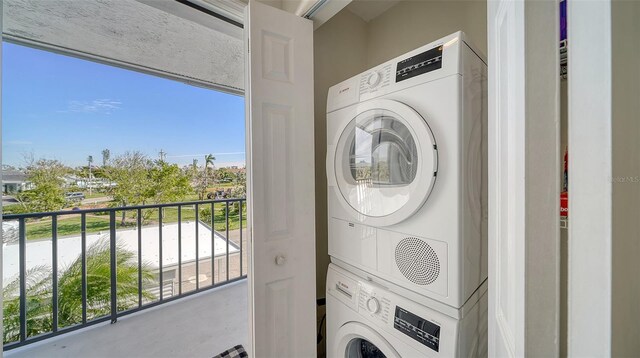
[201,325]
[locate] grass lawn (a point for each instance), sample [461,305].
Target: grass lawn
[70,225]
[66,226]
[188,213]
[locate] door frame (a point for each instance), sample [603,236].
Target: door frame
[524,133]
[604,178]
[589,127]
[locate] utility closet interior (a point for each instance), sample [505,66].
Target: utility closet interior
[362,35]
[367,33]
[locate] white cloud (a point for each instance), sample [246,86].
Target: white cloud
[202,155]
[103,105]
[17,142]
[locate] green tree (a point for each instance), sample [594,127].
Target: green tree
[239,189]
[208,160]
[130,173]
[47,177]
[39,291]
[38,304]
[223,175]
[200,184]
[106,155]
[201,180]
[168,183]
[205,215]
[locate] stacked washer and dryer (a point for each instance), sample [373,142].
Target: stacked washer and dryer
[407,176]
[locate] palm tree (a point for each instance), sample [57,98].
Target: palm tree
[106,155]
[39,315]
[90,160]
[208,159]
[39,293]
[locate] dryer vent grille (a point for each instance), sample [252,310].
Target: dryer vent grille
[417,261]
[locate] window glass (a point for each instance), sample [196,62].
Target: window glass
[383,151]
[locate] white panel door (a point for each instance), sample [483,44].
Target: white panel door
[280,159]
[506,179]
[524,180]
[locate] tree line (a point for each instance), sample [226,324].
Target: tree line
[131,178]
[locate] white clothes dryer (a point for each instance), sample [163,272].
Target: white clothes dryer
[407,170]
[367,320]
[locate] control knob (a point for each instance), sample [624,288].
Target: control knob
[373,305]
[373,79]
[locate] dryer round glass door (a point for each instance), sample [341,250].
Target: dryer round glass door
[385,162]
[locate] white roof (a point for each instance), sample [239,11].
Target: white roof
[38,252]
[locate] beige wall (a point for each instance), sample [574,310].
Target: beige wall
[411,24]
[339,53]
[625,131]
[346,45]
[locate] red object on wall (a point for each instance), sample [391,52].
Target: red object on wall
[564,204]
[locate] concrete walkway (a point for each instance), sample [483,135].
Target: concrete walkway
[201,325]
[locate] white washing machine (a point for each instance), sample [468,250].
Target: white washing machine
[407,170]
[367,320]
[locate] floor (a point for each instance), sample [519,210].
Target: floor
[201,325]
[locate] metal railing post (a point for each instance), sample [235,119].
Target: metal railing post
[54,271]
[226,218]
[160,273]
[22,242]
[83,240]
[114,264]
[139,227]
[240,208]
[197,248]
[213,241]
[179,249]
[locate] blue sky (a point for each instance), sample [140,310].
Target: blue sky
[60,107]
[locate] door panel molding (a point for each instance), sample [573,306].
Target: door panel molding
[524,180]
[281,176]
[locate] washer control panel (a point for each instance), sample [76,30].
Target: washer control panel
[405,317]
[418,328]
[374,303]
[376,79]
[424,62]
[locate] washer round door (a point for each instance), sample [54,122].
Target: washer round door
[385,163]
[355,340]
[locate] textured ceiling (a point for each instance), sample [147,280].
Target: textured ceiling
[368,10]
[130,32]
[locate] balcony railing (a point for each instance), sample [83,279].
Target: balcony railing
[154,254]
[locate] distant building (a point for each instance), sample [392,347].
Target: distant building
[235,169]
[15,181]
[85,183]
